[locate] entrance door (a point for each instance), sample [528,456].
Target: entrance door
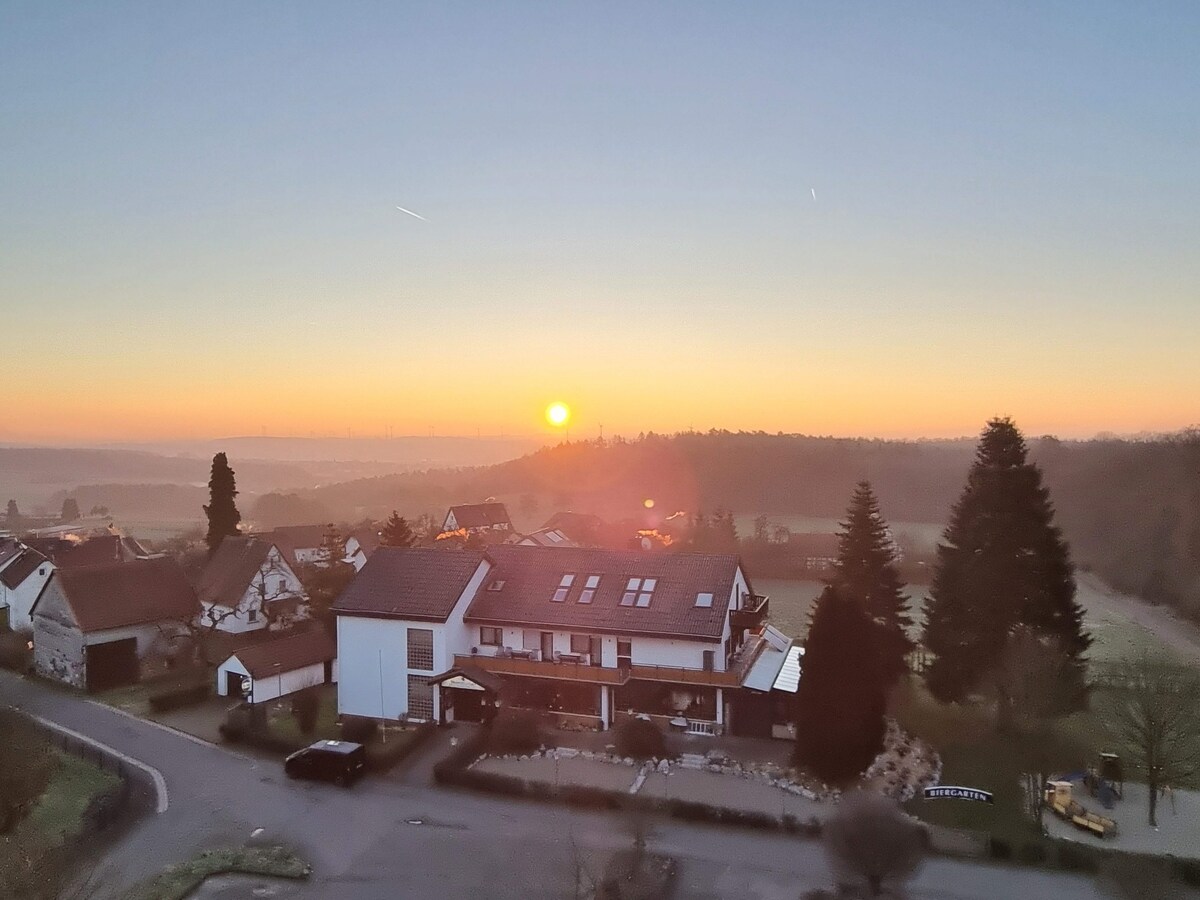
[548,646]
[111,664]
[468,705]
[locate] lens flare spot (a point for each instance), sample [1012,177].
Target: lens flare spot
[648,503]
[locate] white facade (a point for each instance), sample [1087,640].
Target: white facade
[375,669]
[19,600]
[373,653]
[272,687]
[274,581]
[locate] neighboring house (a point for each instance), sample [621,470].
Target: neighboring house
[583,633]
[22,577]
[248,585]
[73,551]
[280,666]
[98,627]
[477,518]
[302,543]
[543,537]
[359,547]
[584,529]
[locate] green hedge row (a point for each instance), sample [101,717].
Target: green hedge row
[177,698]
[453,771]
[1076,857]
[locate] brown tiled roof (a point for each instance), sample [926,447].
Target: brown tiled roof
[480,515]
[232,568]
[531,574]
[94,551]
[299,537]
[21,568]
[9,549]
[291,651]
[410,583]
[132,593]
[368,539]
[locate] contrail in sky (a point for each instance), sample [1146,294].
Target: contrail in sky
[411,213]
[814,192]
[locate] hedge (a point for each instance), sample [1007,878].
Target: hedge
[177,698]
[381,757]
[263,740]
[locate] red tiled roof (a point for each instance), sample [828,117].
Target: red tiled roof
[291,651]
[480,515]
[21,568]
[132,593]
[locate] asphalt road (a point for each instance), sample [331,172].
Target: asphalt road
[389,838]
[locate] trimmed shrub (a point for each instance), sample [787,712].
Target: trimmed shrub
[359,729]
[450,769]
[640,739]
[1032,852]
[381,756]
[263,740]
[1187,871]
[515,731]
[306,707]
[1077,858]
[177,698]
[999,848]
[14,651]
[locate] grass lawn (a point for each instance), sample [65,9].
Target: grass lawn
[181,879]
[59,812]
[283,724]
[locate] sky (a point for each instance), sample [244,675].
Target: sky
[841,218]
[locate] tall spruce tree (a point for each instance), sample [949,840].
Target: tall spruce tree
[223,515]
[1002,564]
[397,532]
[865,572]
[842,696]
[12,518]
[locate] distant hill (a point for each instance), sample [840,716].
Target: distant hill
[1130,508]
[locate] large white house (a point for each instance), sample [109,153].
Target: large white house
[584,633]
[248,585]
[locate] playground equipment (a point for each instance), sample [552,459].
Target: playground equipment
[1060,800]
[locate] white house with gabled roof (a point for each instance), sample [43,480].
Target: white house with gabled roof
[583,633]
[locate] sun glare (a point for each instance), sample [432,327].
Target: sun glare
[557,414]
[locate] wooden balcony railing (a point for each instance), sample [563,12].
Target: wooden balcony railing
[563,671]
[752,616]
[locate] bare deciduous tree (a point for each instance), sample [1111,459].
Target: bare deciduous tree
[1153,711]
[872,846]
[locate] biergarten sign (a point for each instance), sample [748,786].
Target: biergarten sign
[957,793]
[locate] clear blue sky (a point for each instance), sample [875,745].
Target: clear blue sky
[199,234]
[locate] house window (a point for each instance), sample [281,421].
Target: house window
[639,592]
[490,637]
[420,649]
[580,643]
[497,585]
[420,696]
[252,615]
[554,537]
[708,660]
[589,589]
[564,587]
[704,600]
[531,640]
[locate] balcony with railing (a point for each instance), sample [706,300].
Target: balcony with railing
[731,677]
[567,667]
[752,615]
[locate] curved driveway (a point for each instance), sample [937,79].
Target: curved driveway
[387,838]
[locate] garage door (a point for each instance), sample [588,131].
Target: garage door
[111,664]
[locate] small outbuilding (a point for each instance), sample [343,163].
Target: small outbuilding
[98,627]
[267,670]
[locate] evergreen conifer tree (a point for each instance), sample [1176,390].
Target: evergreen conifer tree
[397,532]
[866,573]
[223,515]
[1002,564]
[12,519]
[842,696]
[70,510]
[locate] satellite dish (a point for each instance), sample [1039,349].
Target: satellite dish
[247,685]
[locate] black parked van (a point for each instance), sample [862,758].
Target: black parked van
[342,762]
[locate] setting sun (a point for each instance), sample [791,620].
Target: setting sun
[557,414]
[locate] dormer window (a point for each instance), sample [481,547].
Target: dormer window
[704,600]
[639,592]
[564,587]
[589,589]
